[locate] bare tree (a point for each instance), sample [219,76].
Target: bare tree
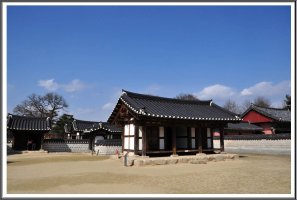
[48,105]
[245,105]
[232,106]
[287,102]
[262,101]
[183,96]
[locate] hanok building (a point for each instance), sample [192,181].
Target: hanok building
[242,128]
[27,132]
[157,125]
[272,120]
[92,130]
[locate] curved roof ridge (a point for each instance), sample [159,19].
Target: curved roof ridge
[78,120]
[154,97]
[269,107]
[26,116]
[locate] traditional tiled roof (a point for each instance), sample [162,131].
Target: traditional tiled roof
[243,126]
[68,128]
[15,122]
[278,114]
[81,125]
[161,107]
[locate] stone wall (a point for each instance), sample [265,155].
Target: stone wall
[257,146]
[108,147]
[53,145]
[102,147]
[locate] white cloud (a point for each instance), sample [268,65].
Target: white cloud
[50,84]
[275,92]
[216,91]
[267,89]
[108,106]
[72,86]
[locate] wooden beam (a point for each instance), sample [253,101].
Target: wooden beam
[222,148]
[136,140]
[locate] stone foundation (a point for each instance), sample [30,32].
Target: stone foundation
[198,159]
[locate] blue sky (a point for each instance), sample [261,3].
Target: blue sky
[88,54]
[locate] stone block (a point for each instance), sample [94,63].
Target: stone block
[139,163]
[218,158]
[130,162]
[200,154]
[201,157]
[159,161]
[233,156]
[183,160]
[147,161]
[197,161]
[210,158]
[172,161]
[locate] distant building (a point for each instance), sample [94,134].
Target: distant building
[92,131]
[242,128]
[27,132]
[272,120]
[158,125]
[80,129]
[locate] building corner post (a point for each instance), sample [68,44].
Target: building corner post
[222,145]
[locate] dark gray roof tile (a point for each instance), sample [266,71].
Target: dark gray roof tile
[154,106]
[15,122]
[81,125]
[243,126]
[278,114]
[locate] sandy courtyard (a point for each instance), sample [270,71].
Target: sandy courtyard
[61,173]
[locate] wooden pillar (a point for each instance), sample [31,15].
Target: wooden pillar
[144,141]
[136,141]
[222,139]
[199,139]
[173,141]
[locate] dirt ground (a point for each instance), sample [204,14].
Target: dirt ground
[73,173]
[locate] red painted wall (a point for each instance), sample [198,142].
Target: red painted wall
[255,117]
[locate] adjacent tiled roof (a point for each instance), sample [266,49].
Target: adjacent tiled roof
[243,126]
[277,114]
[15,122]
[68,128]
[81,125]
[161,107]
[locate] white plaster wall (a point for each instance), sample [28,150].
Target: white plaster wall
[107,150]
[256,146]
[126,142]
[131,143]
[140,144]
[126,131]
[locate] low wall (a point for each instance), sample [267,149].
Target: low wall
[258,144]
[9,146]
[56,145]
[102,147]
[108,147]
